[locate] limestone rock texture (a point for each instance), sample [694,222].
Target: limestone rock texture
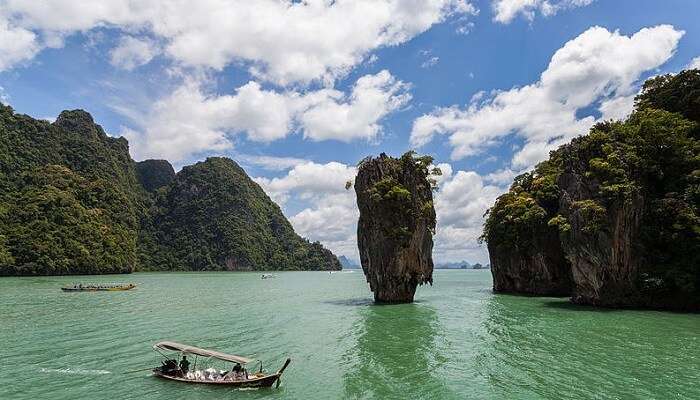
[541,269]
[396,225]
[605,260]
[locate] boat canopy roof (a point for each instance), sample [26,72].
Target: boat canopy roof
[183,348]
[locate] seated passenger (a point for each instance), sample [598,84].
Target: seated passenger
[169,367]
[236,372]
[184,365]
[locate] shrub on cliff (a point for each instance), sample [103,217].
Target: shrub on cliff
[648,165]
[396,224]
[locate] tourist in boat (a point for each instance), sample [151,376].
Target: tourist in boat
[237,372]
[169,367]
[184,365]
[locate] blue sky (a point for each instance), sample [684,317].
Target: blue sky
[299,92]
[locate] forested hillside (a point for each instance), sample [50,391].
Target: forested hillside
[72,201]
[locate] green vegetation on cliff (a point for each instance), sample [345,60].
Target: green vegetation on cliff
[72,201]
[402,207]
[214,217]
[154,174]
[69,198]
[624,200]
[396,225]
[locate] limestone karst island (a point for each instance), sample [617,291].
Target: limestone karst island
[366,199]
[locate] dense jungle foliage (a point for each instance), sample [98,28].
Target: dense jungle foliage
[652,159]
[213,216]
[401,206]
[72,201]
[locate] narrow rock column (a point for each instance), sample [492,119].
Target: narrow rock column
[396,226]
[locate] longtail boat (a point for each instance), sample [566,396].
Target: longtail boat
[91,287]
[236,377]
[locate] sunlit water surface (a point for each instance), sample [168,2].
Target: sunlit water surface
[457,341]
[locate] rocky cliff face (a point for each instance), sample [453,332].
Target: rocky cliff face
[540,269]
[396,225]
[602,241]
[625,202]
[603,249]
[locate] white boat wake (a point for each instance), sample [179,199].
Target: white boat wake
[73,371]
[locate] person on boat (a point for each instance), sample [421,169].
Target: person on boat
[237,372]
[184,365]
[169,367]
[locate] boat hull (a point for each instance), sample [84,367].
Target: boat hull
[262,382]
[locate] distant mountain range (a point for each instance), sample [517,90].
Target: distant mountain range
[460,265]
[352,264]
[348,263]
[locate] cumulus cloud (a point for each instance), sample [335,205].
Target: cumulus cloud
[460,204]
[694,63]
[507,10]
[330,214]
[17,44]
[598,68]
[333,222]
[190,121]
[309,181]
[271,163]
[133,52]
[357,117]
[4,97]
[282,41]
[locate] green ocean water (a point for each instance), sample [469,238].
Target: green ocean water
[457,341]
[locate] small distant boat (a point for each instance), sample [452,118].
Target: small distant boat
[236,377]
[267,276]
[91,287]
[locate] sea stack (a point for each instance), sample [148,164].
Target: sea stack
[396,226]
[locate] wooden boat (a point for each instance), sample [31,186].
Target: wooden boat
[97,288]
[224,378]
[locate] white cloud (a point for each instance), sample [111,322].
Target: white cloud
[271,163]
[190,121]
[502,177]
[333,222]
[282,41]
[133,52]
[465,29]
[617,108]
[694,63]
[507,10]
[596,68]
[430,62]
[460,205]
[309,181]
[330,215]
[4,97]
[462,201]
[357,117]
[17,44]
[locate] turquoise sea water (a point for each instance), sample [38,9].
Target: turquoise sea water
[457,341]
